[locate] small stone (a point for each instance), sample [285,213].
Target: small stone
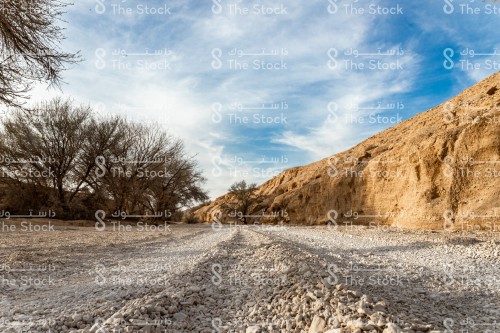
[311,295]
[379,308]
[340,287]
[357,324]
[253,329]
[392,328]
[355,293]
[194,289]
[180,317]
[334,323]
[77,317]
[95,327]
[363,308]
[335,330]
[317,325]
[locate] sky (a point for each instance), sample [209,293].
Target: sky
[256,87]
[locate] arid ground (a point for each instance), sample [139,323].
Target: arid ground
[209,278]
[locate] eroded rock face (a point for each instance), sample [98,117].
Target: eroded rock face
[438,169]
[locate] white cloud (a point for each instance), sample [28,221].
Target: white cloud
[183,96]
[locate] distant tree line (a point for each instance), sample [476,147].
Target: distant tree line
[62,157]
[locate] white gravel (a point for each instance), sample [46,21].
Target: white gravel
[94,282]
[251,279]
[450,280]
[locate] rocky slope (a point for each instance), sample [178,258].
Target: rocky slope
[438,169]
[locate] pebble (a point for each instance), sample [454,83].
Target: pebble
[249,295]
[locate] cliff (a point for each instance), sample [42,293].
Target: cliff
[440,168]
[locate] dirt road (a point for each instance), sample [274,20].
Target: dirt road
[203,278]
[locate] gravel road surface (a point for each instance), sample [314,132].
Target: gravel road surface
[208,278]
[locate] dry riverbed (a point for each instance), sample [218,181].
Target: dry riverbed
[199,278]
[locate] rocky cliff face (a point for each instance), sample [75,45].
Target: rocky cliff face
[438,169]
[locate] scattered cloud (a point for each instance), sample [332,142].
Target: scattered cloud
[252,86]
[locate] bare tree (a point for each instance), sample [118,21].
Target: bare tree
[243,197]
[101,136]
[68,154]
[30,40]
[181,185]
[44,146]
[150,173]
[132,165]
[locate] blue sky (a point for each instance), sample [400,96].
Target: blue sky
[255,87]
